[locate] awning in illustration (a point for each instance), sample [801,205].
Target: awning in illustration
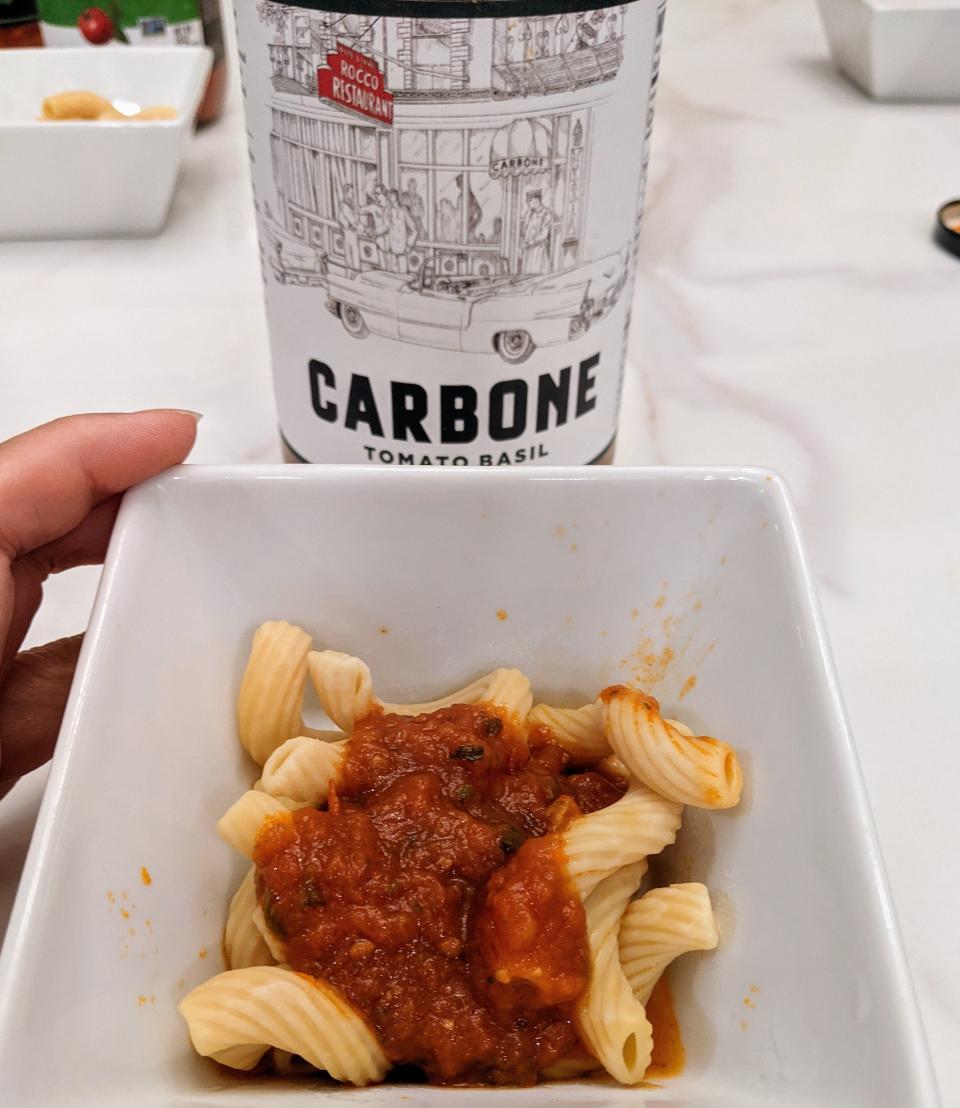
[520,148]
[587,65]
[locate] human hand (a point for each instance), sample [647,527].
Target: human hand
[60,488]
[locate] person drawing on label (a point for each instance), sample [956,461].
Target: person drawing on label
[306,73]
[535,235]
[588,32]
[349,219]
[474,209]
[411,199]
[448,222]
[376,211]
[401,233]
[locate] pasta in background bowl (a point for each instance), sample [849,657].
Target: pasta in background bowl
[690,584]
[68,175]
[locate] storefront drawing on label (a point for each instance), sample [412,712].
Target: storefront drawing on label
[463,225]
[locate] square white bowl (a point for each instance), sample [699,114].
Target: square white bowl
[85,179]
[897,49]
[654,575]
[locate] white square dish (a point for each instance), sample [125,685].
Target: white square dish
[897,49]
[84,179]
[691,582]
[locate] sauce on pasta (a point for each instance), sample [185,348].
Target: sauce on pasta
[669,1055]
[431,892]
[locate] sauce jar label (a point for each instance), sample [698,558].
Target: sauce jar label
[448,210]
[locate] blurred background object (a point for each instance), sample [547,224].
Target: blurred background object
[947,228]
[18,24]
[90,178]
[143,23]
[897,49]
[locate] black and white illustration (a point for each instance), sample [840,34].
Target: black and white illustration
[464,225]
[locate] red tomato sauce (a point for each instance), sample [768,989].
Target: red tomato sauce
[431,892]
[669,1055]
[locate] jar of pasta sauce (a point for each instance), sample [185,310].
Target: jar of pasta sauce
[18,24]
[448,196]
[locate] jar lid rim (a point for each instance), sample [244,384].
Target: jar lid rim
[457,9]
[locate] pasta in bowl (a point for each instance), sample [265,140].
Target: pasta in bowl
[452,885]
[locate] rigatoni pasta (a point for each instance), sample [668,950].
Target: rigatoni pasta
[303,769]
[344,687]
[243,944]
[242,821]
[638,825]
[612,1021]
[450,884]
[661,926]
[271,693]
[578,730]
[237,1015]
[696,770]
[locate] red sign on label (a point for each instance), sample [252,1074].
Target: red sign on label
[354,81]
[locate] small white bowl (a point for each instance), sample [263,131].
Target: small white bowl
[581,577]
[82,179]
[897,49]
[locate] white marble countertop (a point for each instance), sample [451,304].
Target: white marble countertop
[792,312]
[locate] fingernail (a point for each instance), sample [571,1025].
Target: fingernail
[186,411]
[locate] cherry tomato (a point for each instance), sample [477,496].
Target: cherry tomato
[95,26]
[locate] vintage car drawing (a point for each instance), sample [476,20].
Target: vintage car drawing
[511,315]
[292,261]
